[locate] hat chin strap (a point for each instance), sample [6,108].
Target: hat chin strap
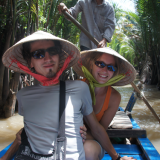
[42,79]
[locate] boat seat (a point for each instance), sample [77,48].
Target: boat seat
[123,126]
[121,120]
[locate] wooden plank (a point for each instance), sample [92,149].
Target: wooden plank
[136,133]
[148,149]
[138,157]
[134,123]
[121,121]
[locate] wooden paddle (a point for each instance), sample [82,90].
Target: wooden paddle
[73,20]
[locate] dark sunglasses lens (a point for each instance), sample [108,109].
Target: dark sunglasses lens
[52,51]
[100,64]
[112,68]
[38,54]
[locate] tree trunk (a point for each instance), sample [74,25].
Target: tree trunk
[37,15]
[5,84]
[9,107]
[7,44]
[15,82]
[1,84]
[14,2]
[29,15]
[48,14]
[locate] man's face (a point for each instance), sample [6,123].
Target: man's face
[47,66]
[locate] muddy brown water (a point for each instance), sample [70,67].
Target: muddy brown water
[140,112]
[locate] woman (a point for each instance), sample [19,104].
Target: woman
[102,68]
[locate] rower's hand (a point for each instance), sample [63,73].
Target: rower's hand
[18,136]
[62,7]
[83,132]
[127,158]
[102,43]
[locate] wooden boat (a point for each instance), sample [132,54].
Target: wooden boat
[140,148]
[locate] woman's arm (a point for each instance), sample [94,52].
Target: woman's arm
[101,135]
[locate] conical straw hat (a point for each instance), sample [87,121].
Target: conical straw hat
[16,51]
[124,67]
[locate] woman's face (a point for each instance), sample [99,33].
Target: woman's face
[102,75]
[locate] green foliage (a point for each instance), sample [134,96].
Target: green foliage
[124,33]
[134,36]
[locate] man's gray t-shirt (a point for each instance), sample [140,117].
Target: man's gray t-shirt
[40,107]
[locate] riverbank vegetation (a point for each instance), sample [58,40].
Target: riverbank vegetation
[137,37]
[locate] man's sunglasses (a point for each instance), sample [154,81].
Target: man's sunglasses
[40,53]
[101,64]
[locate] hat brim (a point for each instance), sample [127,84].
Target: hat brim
[16,51]
[125,67]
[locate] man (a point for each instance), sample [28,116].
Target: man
[45,57]
[97,18]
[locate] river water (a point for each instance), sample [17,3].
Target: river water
[140,112]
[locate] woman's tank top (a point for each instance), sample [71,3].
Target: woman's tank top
[105,104]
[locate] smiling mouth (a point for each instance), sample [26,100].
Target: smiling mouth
[103,76]
[48,66]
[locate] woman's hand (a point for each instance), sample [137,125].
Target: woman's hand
[18,136]
[83,132]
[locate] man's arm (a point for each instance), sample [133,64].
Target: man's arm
[83,132]
[13,148]
[11,151]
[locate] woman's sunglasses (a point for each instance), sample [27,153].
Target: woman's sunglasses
[40,53]
[101,64]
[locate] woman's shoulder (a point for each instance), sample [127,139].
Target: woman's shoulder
[115,94]
[115,99]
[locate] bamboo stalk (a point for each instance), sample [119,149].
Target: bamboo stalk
[96,43]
